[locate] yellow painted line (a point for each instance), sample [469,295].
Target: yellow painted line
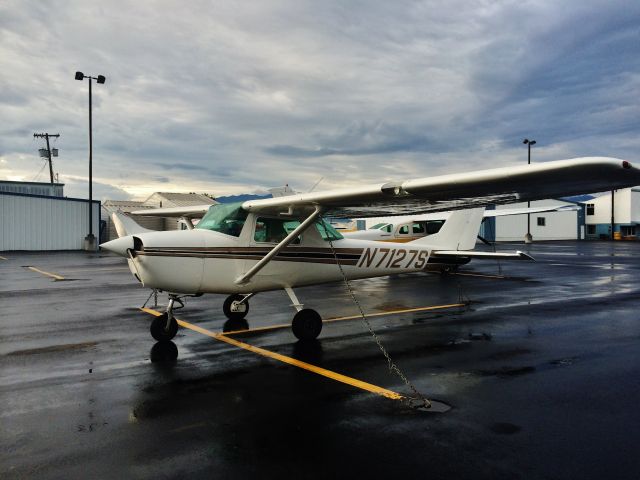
[288,360]
[351,317]
[48,274]
[394,312]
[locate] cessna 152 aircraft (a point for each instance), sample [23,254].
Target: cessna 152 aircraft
[282,243]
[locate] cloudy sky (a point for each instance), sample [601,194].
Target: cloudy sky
[231,97]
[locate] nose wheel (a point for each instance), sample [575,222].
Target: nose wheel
[165,327]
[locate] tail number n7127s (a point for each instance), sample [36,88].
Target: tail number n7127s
[393,258]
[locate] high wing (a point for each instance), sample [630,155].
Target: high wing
[462,190]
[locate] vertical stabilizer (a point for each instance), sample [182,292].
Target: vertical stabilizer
[459,231]
[125,225]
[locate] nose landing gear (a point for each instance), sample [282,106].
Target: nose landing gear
[165,327]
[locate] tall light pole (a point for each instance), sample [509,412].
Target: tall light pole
[528,238]
[90,243]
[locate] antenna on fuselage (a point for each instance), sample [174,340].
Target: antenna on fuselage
[316,184]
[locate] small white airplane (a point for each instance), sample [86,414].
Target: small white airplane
[282,243]
[411,227]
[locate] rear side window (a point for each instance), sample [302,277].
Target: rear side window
[274,230]
[418,228]
[434,226]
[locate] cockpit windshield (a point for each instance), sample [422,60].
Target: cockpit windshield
[227,218]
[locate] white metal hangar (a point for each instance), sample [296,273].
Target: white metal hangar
[41,222]
[563,225]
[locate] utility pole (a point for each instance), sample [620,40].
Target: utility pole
[47,136]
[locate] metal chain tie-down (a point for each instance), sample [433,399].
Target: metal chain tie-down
[419,401]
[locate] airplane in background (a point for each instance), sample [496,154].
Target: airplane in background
[411,227]
[254,246]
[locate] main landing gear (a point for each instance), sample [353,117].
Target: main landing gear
[306,324]
[165,327]
[236,306]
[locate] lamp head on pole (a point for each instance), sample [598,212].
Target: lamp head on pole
[526,141]
[79,76]
[101,79]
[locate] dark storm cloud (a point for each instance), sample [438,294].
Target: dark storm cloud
[364,139]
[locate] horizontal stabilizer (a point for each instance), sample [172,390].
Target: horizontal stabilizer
[517,255]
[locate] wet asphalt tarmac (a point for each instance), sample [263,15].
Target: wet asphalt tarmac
[542,372]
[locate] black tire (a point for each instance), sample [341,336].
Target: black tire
[159,331]
[306,324]
[240,314]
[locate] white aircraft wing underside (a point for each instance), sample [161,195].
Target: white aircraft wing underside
[463,190]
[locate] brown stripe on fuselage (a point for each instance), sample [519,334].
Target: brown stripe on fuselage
[343,261]
[261,250]
[346,256]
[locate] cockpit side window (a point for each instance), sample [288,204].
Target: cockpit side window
[274,230]
[227,218]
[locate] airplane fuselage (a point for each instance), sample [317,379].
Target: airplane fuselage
[210,262]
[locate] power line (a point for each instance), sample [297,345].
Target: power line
[44,164]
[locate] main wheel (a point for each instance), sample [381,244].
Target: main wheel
[306,324]
[159,329]
[233,309]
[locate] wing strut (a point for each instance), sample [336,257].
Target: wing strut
[288,239]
